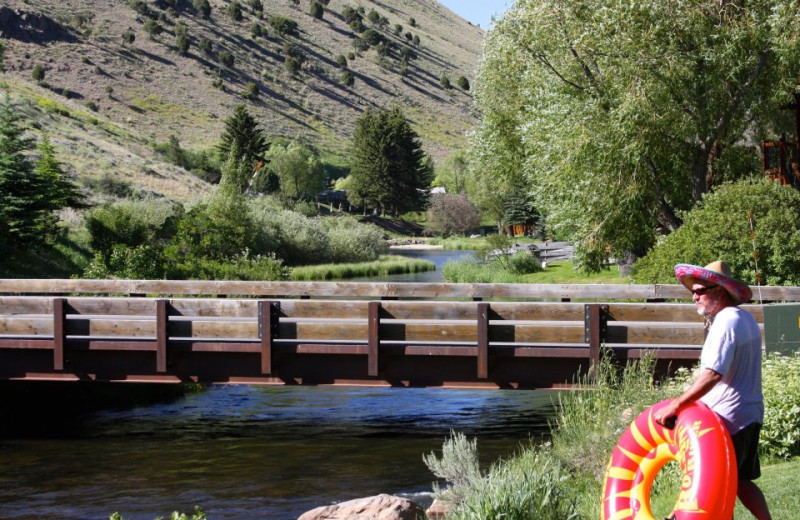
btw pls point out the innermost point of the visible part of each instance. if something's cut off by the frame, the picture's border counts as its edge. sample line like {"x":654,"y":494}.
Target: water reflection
{"x":254,"y":452}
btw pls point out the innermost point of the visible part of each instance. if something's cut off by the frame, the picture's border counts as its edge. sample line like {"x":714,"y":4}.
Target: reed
{"x":385,"y":265}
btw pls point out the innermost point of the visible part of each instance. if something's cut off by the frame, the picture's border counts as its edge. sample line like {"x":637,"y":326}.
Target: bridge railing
{"x":379,"y":290}
{"x":400,"y":340}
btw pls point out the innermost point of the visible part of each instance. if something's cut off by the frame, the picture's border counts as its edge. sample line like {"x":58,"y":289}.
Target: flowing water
{"x":256,"y":452}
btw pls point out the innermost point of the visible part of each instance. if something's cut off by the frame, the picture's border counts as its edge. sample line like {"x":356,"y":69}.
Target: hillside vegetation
{"x":113,"y":86}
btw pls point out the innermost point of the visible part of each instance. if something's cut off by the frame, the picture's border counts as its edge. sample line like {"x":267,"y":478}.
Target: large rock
{"x":439,"y":510}
{"x":380,"y":507}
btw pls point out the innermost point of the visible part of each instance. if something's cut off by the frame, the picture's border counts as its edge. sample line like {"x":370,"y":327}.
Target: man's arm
{"x":704,"y":382}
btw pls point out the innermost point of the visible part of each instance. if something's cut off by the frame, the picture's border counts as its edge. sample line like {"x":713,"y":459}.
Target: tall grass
{"x":385,"y":265}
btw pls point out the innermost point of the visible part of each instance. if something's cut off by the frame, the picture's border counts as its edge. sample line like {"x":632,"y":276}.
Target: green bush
{"x":780,"y":435}
{"x":212,"y":232}
{"x":241,"y":267}
{"x":523,"y":262}
{"x":351,"y":241}
{"x":719,"y":228}
{"x":131,"y":223}
{"x":284,"y":26}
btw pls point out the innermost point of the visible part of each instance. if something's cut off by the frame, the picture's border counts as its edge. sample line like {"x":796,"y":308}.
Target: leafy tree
{"x":38,"y":73}
{"x":284,"y":26}
{"x":372,"y":37}
{"x":636,"y":110}
{"x":454,"y":174}
{"x":244,"y":139}
{"x":719,"y":228}
{"x":453,"y":213}
{"x":390,"y":170}
{"x":298,"y":169}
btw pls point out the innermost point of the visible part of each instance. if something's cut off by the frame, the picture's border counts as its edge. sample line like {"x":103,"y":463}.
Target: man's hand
{"x":666,"y":412}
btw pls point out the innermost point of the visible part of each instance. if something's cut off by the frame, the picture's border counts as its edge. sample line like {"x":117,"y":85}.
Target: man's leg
{"x":753,"y":499}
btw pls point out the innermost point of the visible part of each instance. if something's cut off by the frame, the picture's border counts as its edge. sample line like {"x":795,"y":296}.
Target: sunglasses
{"x":701,"y":291}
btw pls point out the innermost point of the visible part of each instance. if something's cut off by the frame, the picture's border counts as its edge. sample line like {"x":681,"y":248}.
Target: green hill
{"x":106,"y":101}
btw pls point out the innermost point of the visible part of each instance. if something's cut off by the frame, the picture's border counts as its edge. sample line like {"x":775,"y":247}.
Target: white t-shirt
{"x":733,"y":349}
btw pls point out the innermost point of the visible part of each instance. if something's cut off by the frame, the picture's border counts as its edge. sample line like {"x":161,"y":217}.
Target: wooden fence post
{"x":268,"y":330}
{"x":59,"y":332}
{"x":483,"y":340}
{"x":374,"y":339}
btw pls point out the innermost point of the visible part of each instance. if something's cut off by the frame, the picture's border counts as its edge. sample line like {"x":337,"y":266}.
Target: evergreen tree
{"x":242,"y":130}
{"x":390,"y":169}
{"x":28,"y":194}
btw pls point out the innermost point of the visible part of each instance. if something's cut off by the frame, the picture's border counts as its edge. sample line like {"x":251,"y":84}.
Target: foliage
{"x":226,"y":58}
{"x":203,"y":7}
{"x":284,"y":26}
{"x":454,"y":175}
{"x":390,"y":170}
{"x":780,"y":434}
{"x":719,"y":228}
{"x":38,"y":73}
{"x":351,"y":241}
{"x":234,"y":10}
{"x":444,"y":80}
{"x":469,"y":270}
{"x":183,"y":43}
{"x":131,"y":223}
{"x":622,"y":115}
{"x":152,"y":28}
{"x":316,"y":10}
{"x":243,"y":134}
{"x":519,"y":209}
{"x":347,"y":78}
{"x":298,"y":169}
{"x":29,"y":193}
{"x":383,"y":266}
{"x":463,"y":83}
{"x":240,"y":267}
{"x":451,"y":214}
{"x":523,"y":262}
{"x":458,"y":465}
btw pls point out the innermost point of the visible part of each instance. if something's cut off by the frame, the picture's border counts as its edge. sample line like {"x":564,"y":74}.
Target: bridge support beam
{"x":483,"y":340}
{"x":374,"y":338}
{"x":595,"y":326}
{"x":268,"y":327}
{"x":59,"y":332}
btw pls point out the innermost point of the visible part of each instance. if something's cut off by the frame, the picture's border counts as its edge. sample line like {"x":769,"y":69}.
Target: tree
{"x":183,"y":44}
{"x":38,"y":73}
{"x":454,"y":174}
{"x":28,"y":194}
{"x":719,"y":227}
{"x":636,"y":110}
{"x":453,"y":213}
{"x":244,"y":137}
{"x":316,"y":10}
{"x":390,"y":170}
{"x":298,"y":169}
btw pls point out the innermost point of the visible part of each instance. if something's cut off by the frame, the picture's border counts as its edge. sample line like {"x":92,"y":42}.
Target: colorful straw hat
{"x":717,"y":273}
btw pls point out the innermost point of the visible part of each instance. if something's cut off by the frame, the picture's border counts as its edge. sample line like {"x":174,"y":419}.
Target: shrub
{"x":202,"y":7}
{"x":316,"y":10}
{"x":251,"y":91}
{"x":183,"y":44}
{"x":234,"y":10}
{"x":38,"y":73}
{"x":341,"y":60}
{"x":152,"y":27}
{"x":463,"y":83}
{"x":284,"y":26}
{"x":450,"y":213}
{"x":131,"y":223}
{"x":347,"y":78}
{"x":256,"y":5}
{"x":241,"y":267}
{"x":292,"y":65}
{"x":205,"y":45}
{"x":780,"y":435}
{"x":719,"y":228}
{"x":458,"y":466}
{"x":445,"y":81}
{"x":226,"y":58}
{"x":351,"y":241}
{"x":297,"y":238}
{"x":523,"y":262}
{"x":372,"y":37}
{"x":128,"y":37}
{"x":91,"y":105}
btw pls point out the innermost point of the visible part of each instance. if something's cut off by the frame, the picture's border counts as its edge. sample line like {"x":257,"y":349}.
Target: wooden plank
{"x":162,"y":337}
{"x":27,"y":326}
{"x":371,"y":290}
{"x":15,"y":305}
{"x":373,"y":339}
{"x":483,"y":340}
{"x":656,"y":333}
{"x":59,"y":332}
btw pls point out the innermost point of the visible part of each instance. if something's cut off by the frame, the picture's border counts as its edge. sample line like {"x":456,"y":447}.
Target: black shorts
{"x":745,"y":445}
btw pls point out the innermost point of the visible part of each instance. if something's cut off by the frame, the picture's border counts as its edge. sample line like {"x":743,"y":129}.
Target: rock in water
{"x":380,"y":507}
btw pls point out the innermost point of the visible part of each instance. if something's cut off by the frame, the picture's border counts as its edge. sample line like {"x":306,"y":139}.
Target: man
{"x":729,"y":381}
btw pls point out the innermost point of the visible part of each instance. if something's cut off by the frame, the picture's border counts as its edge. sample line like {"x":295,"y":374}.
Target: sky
{"x":479,"y":12}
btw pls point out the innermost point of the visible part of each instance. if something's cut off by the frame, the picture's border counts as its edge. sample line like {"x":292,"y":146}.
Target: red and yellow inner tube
{"x":699,"y":442}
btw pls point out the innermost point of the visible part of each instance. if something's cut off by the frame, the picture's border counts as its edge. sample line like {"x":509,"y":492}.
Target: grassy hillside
{"x":105,"y":101}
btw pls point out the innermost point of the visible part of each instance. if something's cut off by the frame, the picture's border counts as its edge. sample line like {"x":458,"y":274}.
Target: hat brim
{"x":688,"y":275}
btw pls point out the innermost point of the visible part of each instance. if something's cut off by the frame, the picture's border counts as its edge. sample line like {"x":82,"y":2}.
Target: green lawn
{"x":562,"y":272}
{"x":779,"y":484}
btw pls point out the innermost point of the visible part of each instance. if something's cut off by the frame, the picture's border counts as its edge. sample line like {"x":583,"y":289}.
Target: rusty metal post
{"x":595,"y":325}
{"x":374,"y":339}
{"x":268,"y":327}
{"x":483,"y":340}
{"x":59,"y":332}
{"x":161,"y":335}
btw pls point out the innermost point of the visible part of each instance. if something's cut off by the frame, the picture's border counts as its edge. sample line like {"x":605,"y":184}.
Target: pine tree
{"x":23,"y":204}
{"x":242,"y":130}
{"x":390,"y":169}
{"x":62,"y":192}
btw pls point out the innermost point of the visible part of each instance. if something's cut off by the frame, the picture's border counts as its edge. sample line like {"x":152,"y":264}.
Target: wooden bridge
{"x":320,"y":333}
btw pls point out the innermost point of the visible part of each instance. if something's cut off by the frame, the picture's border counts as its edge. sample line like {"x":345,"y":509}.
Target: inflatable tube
{"x":699,"y":442}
